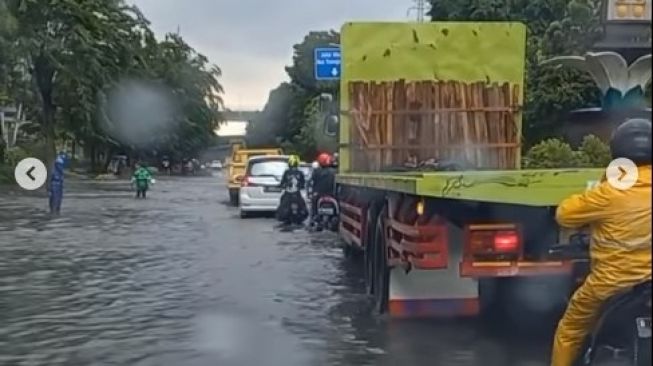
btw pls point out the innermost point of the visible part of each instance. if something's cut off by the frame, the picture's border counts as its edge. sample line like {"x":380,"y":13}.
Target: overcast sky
{"x":251,"y":40}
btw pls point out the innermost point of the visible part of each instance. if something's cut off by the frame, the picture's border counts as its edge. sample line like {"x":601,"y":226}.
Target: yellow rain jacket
{"x":620,"y":224}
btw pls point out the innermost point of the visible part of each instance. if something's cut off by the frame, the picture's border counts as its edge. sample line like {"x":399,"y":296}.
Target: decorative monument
{"x":620,"y":65}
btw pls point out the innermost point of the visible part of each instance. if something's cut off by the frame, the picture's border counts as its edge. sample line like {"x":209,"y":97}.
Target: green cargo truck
{"x":430,"y":183}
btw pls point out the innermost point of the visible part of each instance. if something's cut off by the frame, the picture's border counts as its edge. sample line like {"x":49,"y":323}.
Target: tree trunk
{"x":48,"y":131}
{"x":107,"y":158}
{"x":43,"y":74}
{"x":93,"y":155}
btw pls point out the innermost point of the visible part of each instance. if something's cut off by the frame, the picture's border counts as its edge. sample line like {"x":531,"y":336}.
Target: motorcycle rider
{"x":292,"y":182}
{"x":323,"y":179}
{"x":142,"y":178}
{"x":620,"y":223}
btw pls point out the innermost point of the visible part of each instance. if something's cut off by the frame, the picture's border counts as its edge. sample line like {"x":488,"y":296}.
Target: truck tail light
{"x":506,"y":241}
{"x":489,"y":241}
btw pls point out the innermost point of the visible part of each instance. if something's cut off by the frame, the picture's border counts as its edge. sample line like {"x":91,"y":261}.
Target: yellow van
{"x":238,"y":164}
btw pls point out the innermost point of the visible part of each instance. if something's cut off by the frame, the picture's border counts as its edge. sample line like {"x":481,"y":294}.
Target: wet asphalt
{"x":180,"y":279}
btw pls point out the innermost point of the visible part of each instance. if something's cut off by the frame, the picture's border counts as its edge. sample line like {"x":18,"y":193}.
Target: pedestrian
{"x":142,"y":179}
{"x":55,"y":186}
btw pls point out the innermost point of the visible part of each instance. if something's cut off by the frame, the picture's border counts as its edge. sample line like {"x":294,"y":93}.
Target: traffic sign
{"x":327,"y":63}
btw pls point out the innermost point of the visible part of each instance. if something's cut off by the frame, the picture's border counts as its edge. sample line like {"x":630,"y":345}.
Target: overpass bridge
{"x":232,"y":130}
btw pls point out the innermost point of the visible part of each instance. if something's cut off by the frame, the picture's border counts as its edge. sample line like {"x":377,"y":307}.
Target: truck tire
{"x":368,"y":248}
{"x":381,"y":269}
{"x":233,"y":197}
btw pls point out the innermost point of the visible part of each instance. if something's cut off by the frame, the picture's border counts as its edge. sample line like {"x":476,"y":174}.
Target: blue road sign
{"x":327,"y":63}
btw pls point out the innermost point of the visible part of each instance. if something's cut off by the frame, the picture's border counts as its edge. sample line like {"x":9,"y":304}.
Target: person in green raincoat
{"x":142,"y":178}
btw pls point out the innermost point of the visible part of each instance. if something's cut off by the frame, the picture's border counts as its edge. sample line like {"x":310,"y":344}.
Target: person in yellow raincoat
{"x":620,"y":252}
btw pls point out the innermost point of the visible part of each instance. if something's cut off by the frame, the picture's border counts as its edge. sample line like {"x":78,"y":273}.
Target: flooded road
{"x":179,"y":279}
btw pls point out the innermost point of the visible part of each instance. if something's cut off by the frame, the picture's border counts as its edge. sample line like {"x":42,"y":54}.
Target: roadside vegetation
{"x":62,"y":60}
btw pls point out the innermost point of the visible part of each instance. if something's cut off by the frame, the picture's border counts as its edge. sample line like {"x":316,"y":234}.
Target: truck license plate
{"x":325,"y":211}
{"x":273,"y":189}
{"x":644,"y":327}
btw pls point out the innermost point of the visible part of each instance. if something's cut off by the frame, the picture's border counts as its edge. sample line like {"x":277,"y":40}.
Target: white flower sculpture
{"x":611,"y":73}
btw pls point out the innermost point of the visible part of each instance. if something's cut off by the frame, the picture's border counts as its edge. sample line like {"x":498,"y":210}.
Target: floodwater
{"x":179,"y":279}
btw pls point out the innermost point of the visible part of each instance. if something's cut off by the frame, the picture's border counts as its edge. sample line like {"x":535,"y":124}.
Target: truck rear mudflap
{"x":417,"y":246}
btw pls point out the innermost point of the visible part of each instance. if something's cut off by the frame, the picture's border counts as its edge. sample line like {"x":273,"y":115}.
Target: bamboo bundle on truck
{"x":394,"y":122}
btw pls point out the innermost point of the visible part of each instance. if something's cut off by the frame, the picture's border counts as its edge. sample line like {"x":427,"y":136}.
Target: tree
{"x":266,"y":129}
{"x":57,"y":38}
{"x":71,"y":57}
{"x":290,"y":116}
{"x":555,"y":27}
{"x":301,"y":72}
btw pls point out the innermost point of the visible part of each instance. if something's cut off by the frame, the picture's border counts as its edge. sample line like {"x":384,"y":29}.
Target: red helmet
{"x":324,"y":159}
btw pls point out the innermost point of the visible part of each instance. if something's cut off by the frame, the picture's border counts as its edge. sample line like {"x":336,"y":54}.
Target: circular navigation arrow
{"x":622,"y":173}
{"x":30,"y":174}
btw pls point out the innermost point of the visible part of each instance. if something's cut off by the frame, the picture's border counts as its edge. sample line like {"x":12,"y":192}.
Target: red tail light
{"x":506,"y":241}
{"x":486,"y":240}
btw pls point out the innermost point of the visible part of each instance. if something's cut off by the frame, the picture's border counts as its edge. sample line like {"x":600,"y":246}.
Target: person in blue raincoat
{"x":55,"y":186}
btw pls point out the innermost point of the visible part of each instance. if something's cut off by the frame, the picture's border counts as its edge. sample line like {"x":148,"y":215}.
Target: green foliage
{"x":595,"y":152}
{"x":60,"y":59}
{"x":15,"y":154}
{"x":554,"y":153}
{"x":555,"y":27}
{"x":290,"y":116}
{"x":6,"y":173}
{"x":551,"y":153}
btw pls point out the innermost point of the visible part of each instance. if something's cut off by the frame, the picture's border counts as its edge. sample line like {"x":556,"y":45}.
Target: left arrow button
{"x":30,"y":174}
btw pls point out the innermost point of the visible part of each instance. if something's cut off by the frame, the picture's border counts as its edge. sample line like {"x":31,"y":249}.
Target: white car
{"x":260,"y":190}
{"x":215,"y":164}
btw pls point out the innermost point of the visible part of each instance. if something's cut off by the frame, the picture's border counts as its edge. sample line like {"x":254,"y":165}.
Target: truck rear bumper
{"x":444,"y":308}
{"x":514,"y":269}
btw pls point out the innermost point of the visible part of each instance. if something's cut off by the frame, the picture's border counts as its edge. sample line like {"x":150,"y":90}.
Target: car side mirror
{"x":331,"y":125}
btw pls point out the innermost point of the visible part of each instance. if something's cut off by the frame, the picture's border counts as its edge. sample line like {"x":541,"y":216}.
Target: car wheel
{"x":244,"y":214}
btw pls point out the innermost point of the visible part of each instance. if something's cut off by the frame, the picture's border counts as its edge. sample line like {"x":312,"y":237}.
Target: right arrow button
{"x":622,"y":173}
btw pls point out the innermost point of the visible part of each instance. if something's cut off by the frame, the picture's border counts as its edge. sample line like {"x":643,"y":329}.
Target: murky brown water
{"x":178,"y":279}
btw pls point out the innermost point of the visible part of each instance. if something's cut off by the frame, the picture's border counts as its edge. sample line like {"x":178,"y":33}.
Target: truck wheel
{"x":233,"y":197}
{"x":381,"y":270}
{"x":368,"y":249}
{"x":489,"y":298}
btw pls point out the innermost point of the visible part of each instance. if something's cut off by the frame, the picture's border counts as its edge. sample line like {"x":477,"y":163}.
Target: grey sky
{"x":251,"y":40}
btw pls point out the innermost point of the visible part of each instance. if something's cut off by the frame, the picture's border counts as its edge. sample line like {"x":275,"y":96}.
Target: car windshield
{"x":274,"y":168}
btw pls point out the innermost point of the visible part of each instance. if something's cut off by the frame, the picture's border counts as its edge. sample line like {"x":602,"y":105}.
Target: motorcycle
{"x":327,"y":214}
{"x":295,"y":213}
{"x":622,"y":333}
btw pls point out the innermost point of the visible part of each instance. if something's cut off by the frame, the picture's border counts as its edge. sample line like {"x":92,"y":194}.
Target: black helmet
{"x":632,"y":140}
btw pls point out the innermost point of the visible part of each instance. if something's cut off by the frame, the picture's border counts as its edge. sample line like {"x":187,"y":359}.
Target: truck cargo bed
{"x":523,"y":187}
